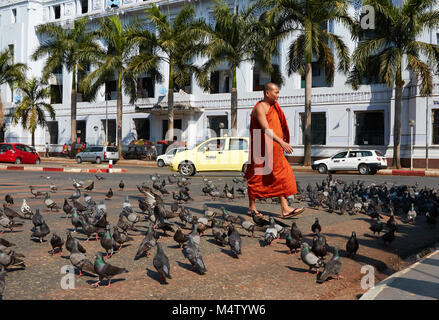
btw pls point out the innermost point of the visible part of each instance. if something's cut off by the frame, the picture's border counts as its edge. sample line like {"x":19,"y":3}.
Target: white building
{"x":341,"y":116}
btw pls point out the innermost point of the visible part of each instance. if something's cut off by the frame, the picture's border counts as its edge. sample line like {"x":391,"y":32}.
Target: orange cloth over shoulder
{"x":268,"y":173}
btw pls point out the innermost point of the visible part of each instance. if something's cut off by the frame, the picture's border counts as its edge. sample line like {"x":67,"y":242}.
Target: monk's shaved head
{"x":270,"y":86}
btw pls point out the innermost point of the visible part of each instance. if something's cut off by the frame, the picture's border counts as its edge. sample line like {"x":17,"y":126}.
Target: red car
{"x":18,"y":153}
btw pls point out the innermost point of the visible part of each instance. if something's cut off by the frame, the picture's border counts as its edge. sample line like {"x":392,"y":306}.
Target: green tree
{"x":176,"y":43}
{"x":71,"y":48}
{"x":392,"y":47}
{"x":10,"y":73}
{"x":111,"y":61}
{"x":314,"y":43}
{"x":31,"y":110}
{"x":238,"y":36}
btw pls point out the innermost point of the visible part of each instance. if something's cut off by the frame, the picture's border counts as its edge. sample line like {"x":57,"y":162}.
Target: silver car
{"x":98,"y":154}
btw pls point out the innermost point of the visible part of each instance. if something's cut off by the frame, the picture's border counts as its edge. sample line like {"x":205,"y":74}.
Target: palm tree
{"x":72,"y":48}
{"x":110,"y":61}
{"x":314,"y":43}
{"x":175,"y":44}
{"x":30,"y":111}
{"x":235,"y":38}
{"x":393,"y":47}
{"x":10,"y":73}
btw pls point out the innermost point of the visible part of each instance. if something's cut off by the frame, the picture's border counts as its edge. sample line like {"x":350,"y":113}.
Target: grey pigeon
{"x":193,"y":254}
{"x":161,"y":264}
{"x":309,"y":258}
{"x":41,"y":232}
{"x":107,"y":242}
{"x":56,"y":242}
{"x":37,"y":219}
{"x":120,"y":237}
{"x":147,"y":243}
{"x":10,"y":259}
{"x":79,"y":260}
{"x":332,"y":267}
{"x":234,"y":240}
{"x":105,"y":270}
{"x":219,"y":236}
{"x":2,"y":282}
{"x":180,"y":237}
{"x":271,"y":233}
{"x":71,"y":242}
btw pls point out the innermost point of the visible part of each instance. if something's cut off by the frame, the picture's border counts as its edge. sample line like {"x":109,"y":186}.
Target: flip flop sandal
{"x":293,"y":213}
{"x":249,"y":213}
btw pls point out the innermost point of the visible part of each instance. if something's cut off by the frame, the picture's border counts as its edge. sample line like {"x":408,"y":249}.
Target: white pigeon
{"x":102,"y":206}
{"x":26,"y":209}
{"x":53,"y":188}
{"x":78,"y":184}
{"x":411,"y":214}
{"x":126,"y":203}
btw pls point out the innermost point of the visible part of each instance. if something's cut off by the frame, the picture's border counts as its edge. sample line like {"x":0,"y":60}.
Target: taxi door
{"x":211,"y":155}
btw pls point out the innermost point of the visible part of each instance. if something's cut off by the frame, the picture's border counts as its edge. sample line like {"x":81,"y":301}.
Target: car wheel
{"x":38,"y":161}
{"x":244,"y":168}
{"x":78,"y":160}
{"x":322,"y":168}
{"x":363,"y":169}
{"x":17,"y":161}
{"x":161,"y":163}
{"x":186,"y":169}
{"x":98,"y":160}
{"x":373,"y":171}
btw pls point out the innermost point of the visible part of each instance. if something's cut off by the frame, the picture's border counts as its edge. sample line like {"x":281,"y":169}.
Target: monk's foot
{"x":292,"y":212}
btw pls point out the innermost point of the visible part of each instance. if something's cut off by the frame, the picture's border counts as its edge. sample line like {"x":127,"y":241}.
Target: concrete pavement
{"x":419,"y":281}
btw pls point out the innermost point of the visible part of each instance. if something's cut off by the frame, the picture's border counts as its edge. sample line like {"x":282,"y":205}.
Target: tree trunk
{"x":33,"y":139}
{"x":73,"y":100}
{"x":170,"y":133}
{"x":307,"y":124}
{"x":119,"y":114}
{"x":234,"y":104}
{"x":397,"y":125}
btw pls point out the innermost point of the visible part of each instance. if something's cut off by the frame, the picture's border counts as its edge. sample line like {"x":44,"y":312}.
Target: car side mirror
{"x":204,"y":149}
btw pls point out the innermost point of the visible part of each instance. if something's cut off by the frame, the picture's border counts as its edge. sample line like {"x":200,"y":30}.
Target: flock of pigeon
{"x":90,"y":218}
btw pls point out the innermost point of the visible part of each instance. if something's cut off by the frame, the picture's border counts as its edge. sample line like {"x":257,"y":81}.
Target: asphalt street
{"x":252,"y":276}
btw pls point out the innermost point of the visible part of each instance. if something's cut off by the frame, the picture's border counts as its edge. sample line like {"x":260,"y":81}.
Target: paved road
{"x":252,"y":276}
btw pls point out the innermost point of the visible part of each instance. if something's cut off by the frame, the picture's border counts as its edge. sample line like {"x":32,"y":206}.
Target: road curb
{"x":372,"y":293}
{"x":67,"y":170}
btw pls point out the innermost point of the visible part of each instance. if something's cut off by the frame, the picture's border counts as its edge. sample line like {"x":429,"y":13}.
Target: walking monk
{"x":268,"y":172}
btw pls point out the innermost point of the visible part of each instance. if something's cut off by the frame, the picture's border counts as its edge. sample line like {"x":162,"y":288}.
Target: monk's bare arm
{"x":262,"y":119}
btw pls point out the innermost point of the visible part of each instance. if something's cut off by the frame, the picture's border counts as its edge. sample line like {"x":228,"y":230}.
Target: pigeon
{"x":258,"y":220}
{"x":319,"y":246}
{"x":120,"y":237}
{"x":56,"y":242}
{"x":309,"y":258}
{"x":26,"y":209}
{"x":209,"y":214}
{"x":4,"y":244}
{"x":71,"y":242}
{"x":161,"y":264}
{"x":79,"y":206}
{"x":180,"y":237}
{"x":148,"y":242}
{"x":2,"y":282}
{"x":234,"y":240}
{"x":90,"y":187}
{"x":53,"y":188}
{"x":271,"y":233}
{"x":220,"y":236}
{"x":36,"y":193}
{"x":389,"y":236}
{"x":411,"y":214}
{"x":352,"y":245}
{"x":78,"y":184}
{"x":9,"y":199}
{"x":250,"y":227}
{"x":76,"y":195}
{"x":75,"y":219}
{"x":50,"y":203}
{"x":7,"y":223}
{"x":121,"y":185}
{"x":294,"y":239}
{"x":193,"y":254}
{"x":88,"y":229}
{"x":377,"y":226}
{"x":41,"y":232}
{"x":79,"y":260}
{"x":107,"y":242}
{"x":391,"y":223}
{"x":332,"y":268}
{"x":109,"y":194}
{"x":67,"y":208}
{"x":99,"y":177}
{"x":194,"y":235}
{"x":10,"y":213}
{"x":316,"y":227}
{"x":37,"y":219}
{"x":202,"y":224}
{"x":10,"y":259}
{"x":105,"y":270}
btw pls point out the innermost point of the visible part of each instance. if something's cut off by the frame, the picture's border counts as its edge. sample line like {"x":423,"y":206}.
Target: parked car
{"x":215,"y":154}
{"x":18,"y":153}
{"x":140,"y":152}
{"x":365,"y":161}
{"x":98,"y":154}
{"x":165,"y":159}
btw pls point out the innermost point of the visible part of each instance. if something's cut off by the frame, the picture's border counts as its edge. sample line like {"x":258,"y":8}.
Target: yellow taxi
{"x":215,"y":154}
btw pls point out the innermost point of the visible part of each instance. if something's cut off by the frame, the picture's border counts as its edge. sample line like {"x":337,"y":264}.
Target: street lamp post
{"x":411,"y":124}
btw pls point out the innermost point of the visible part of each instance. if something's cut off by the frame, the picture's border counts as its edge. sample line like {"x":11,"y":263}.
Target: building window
{"x":435,"y":116}
{"x":318,"y":128}
{"x":142,"y":128}
{"x":55,"y":94}
{"x":145,"y":87}
{"x":57,"y":11}
{"x":369,"y":128}
{"x":84,"y":6}
{"x":81,"y":130}
{"x":111,"y":130}
{"x":52,"y":127}
{"x":177,"y":125}
{"x":14,"y":16}
{"x":214,"y":123}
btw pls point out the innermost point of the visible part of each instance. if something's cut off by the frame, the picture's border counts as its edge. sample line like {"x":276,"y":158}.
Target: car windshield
{"x":340,"y":155}
{"x":379,"y":153}
{"x":112,"y":149}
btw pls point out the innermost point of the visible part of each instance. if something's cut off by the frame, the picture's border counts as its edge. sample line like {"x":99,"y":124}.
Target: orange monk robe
{"x":267,"y":183}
